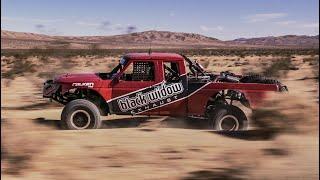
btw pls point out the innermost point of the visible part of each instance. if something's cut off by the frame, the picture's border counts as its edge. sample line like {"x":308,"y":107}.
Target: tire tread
{"x":84,"y":103}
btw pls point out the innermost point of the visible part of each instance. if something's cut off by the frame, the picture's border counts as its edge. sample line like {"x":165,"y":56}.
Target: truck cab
{"x":149,"y":84}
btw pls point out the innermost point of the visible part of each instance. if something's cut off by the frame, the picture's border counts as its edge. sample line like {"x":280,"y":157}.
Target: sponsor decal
{"x":150,"y":98}
{"x":153,"y":97}
{"x":161,"y":94}
{"x":84,"y":84}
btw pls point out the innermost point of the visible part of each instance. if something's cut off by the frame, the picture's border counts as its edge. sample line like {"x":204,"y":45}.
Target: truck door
{"x":174,"y":73}
{"x":131,"y":86}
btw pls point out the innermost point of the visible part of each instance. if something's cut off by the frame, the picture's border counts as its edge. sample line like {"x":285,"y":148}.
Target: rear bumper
{"x":282,"y":88}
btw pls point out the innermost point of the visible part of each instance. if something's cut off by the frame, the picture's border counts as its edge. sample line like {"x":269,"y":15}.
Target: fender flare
{"x":102,"y":106}
{"x":239,"y":96}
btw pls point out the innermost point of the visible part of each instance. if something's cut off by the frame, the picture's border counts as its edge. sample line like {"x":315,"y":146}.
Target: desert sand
{"x":33,"y":146}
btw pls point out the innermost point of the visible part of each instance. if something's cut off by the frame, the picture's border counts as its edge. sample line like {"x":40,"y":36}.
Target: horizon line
{"x":158,"y":31}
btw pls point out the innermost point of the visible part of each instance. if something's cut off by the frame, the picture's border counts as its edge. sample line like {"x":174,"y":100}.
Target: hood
{"x":79,"y":78}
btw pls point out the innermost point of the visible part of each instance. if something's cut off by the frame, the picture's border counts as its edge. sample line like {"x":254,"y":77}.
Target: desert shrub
{"x":65,"y":52}
{"x":205,"y":64}
{"x":316,"y":69}
{"x":242,"y":55}
{"x":44,"y":59}
{"x":67,"y":63}
{"x":94,"y":46}
{"x":241,"y":63}
{"x":37,"y":52}
{"x":283,"y":113}
{"x":314,"y":62}
{"x":235,"y":173}
{"x":16,"y":162}
{"x":278,"y":66}
{"x":6,"y":61}
{"x":17,"y":151}
{"x":19,"y":56}
{"x":88,"y":63}
{"x":46,"y":75}
{"x":270,"y":120}
{"x":59,"y":42}
{"x":19,"y":68}
{"x":110,"y":66}
{"x":310,"y":59}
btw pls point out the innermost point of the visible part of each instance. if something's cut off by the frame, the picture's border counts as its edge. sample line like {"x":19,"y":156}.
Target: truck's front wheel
{"x":227,"y":118}
{"x":80,"y":114}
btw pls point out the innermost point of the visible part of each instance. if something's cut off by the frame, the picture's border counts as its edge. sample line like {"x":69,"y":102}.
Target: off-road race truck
{"x":165,"y":84}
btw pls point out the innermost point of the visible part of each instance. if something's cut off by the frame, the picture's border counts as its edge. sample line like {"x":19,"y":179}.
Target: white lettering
{"x":86,"y":84}
{"x":159,"y":93}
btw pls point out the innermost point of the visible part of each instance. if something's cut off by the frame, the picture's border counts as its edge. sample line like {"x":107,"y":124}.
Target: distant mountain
{"x":157,"y":39}
{"x":288,"y":40}
{"x":23,"y":36}
{"x":162,"y":37}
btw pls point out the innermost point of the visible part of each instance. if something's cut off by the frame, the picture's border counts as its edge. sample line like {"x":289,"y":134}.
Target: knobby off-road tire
{"x":227,"y":118}
{"x":80,"y":114}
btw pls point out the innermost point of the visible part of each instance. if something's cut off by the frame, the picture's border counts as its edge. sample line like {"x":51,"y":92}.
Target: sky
{"x":222,"y":19}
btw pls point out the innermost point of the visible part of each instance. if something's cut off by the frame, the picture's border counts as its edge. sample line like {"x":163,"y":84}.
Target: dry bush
{"x":67,"y":63}
{"x":237,"y":173}
{"x":279,"y":67}
{"x":6,"y":61}
{"x":314,"y":62}
{"x":283,"y":113}
{"x":44,"y":59}
{"x":88,"y":64}
{"x":311,"y":59}
{"x":65,"y":52}
{"x":59,"y":42}
{"x":205,"y":63}
{"x":47,"y":75}
{"x":19,"y":68}
{"x":19,"y":145}
{"x":94,"y":46}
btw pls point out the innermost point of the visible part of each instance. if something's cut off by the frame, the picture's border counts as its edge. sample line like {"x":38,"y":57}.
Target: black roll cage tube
{"x":194,"y":67}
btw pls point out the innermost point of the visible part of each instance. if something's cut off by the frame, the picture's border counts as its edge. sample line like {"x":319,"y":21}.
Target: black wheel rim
{"x":80,"y":119}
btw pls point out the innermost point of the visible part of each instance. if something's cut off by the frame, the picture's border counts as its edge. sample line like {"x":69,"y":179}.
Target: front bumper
{"x":50,"y":89}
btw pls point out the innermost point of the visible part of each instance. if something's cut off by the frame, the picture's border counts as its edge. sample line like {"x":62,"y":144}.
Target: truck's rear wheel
{"x":80,"y":114}
{"x":227,"y":118}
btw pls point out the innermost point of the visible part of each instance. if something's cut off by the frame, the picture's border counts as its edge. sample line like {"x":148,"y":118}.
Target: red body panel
{"x":70,"y":81}
{"x":254,"y":93}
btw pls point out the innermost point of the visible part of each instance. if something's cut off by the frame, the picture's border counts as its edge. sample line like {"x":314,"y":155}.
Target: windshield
{"x":119,"y":67}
